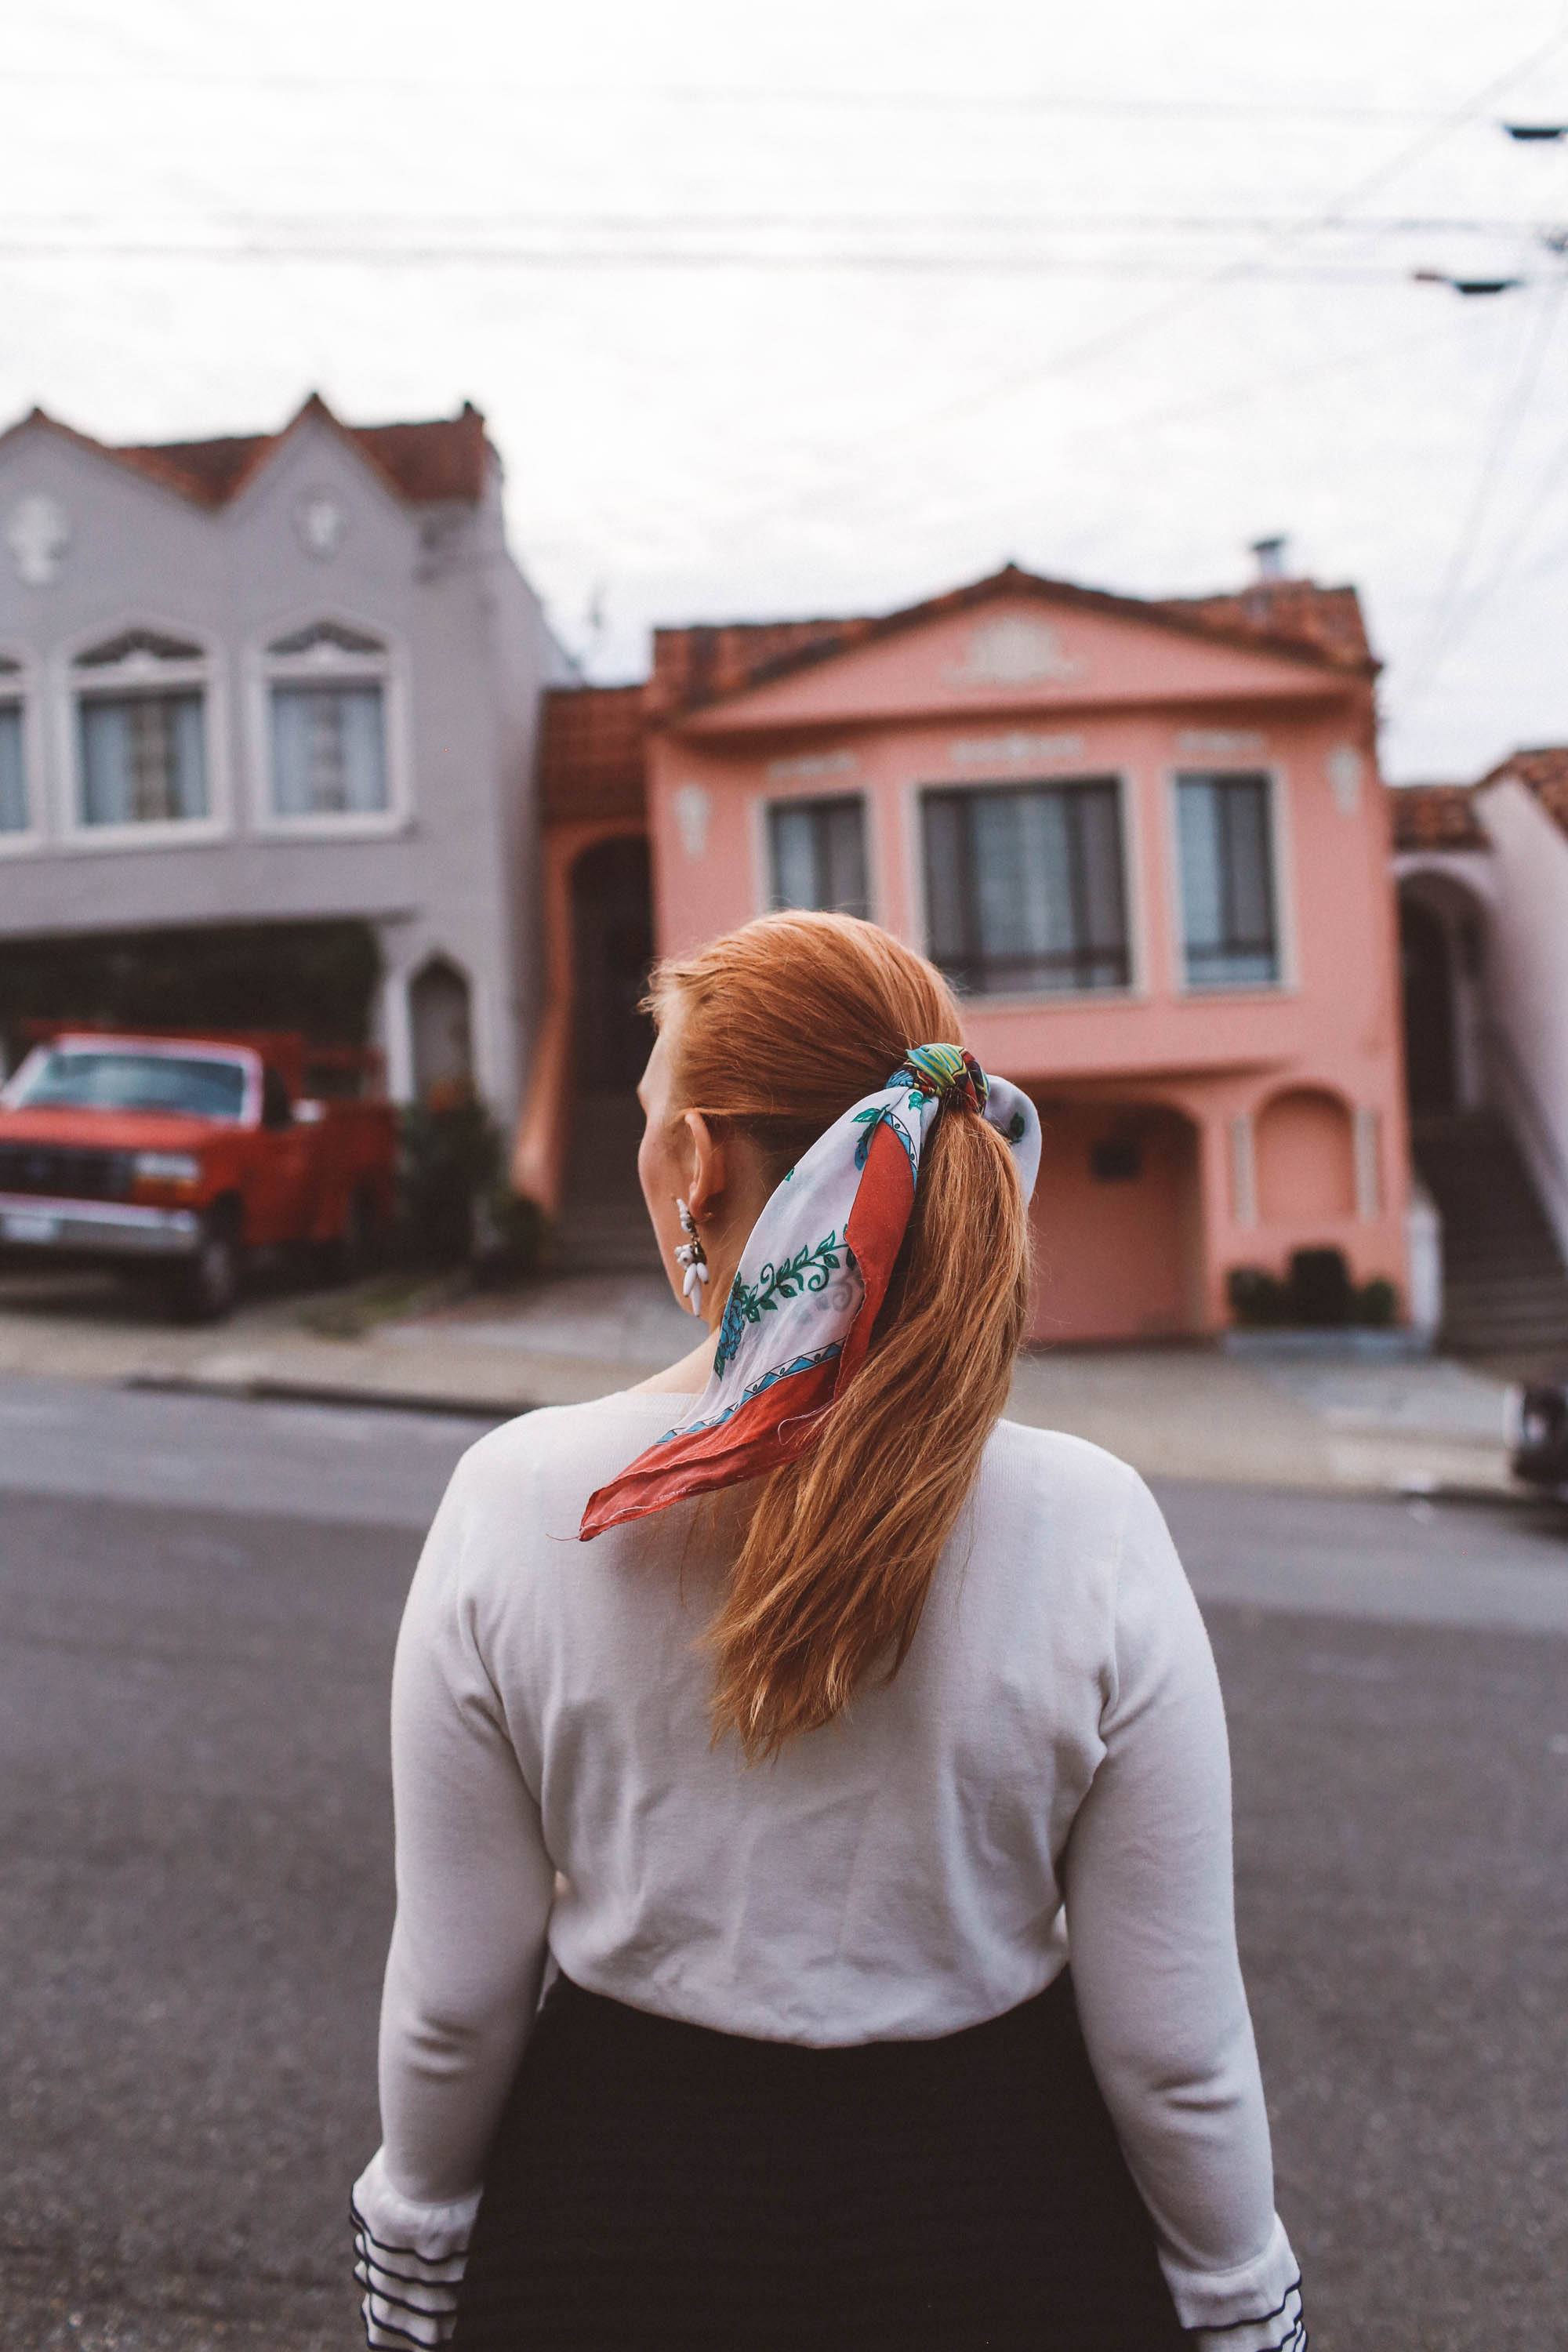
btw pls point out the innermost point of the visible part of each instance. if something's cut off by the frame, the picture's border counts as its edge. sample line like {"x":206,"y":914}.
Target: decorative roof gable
{"x":1293,"y":620}
{"x":437,"y":461}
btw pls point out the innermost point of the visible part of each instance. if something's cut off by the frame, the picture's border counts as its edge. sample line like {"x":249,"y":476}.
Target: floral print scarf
{"x":813,"y":1274}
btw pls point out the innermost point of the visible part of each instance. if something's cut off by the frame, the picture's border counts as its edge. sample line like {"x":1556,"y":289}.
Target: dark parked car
{"x":1537,"y":1433}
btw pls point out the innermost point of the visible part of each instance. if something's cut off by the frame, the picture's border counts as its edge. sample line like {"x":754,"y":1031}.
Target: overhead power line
{"x":324,"y":252}
{"x":599,"y":93}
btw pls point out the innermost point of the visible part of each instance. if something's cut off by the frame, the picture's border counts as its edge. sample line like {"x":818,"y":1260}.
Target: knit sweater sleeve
{"x":474,"y":1891}
{"x":1150,"y":1923}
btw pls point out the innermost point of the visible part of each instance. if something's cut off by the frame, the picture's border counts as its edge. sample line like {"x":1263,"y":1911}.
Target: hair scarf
{"x":812,"y":1275}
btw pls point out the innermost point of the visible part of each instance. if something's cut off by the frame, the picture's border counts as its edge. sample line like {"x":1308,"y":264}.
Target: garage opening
{"x":320,"y":978}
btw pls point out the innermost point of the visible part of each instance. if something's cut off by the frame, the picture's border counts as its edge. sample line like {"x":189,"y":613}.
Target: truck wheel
{"x":207,"y":1285}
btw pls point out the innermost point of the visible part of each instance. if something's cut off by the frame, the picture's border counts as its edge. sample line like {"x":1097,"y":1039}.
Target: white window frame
{"x":328,"y":666}
{"x":142,"y":673}
{"x":19,"y":691}
{"x":1134,"y":989}
{"x":1281,"y":877}
{"x":811,"y":789}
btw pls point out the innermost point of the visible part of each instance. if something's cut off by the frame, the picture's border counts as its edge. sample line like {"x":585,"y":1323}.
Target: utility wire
{"x":341,"y":227}
{"x":599,"y":93}
{"x":1330,"y":216}
{"x":1514,"y":408}
{"x":320,"y":253}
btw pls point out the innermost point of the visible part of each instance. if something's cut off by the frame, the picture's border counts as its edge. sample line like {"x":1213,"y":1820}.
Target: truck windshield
{"x":106,"y":1077}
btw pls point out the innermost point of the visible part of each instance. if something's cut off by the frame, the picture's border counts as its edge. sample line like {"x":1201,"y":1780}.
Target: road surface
{"x":199,"y":1599}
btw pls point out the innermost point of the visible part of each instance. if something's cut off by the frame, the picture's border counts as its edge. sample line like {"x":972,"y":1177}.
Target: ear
{"x":704,"y":1156}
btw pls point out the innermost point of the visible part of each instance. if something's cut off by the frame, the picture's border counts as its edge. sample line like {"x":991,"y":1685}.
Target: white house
{"x":1482,"y":877}
{"x":267,"y":721}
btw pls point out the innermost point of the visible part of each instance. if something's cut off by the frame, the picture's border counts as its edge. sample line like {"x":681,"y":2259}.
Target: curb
{"x":267,"y":1388}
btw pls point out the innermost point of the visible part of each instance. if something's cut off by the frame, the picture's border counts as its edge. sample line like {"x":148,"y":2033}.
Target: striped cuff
{"x":1255,"y":2307}
{"x":409,"y":2260}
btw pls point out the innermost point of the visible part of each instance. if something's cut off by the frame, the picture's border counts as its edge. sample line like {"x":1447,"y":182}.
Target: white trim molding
{"x":322,"y":646}
{"x":1244,"y":1169}
{"x":20,"y":691}
{"x":1367,"y":1132}
{"x":141,"y":669}
{"x":1281,"y":880}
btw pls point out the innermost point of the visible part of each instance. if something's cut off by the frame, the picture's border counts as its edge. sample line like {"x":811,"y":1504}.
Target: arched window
{"x":16,"y":815}
{"x":141,"y":748}
{"x":326,"y":694}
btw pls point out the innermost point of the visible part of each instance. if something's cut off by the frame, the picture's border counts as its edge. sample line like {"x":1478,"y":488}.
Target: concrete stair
{"x":603,"y":1223}
{"x":1505,"y":1286}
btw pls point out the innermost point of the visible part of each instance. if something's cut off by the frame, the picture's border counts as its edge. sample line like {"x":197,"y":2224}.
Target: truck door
{"x":281,"y":1193}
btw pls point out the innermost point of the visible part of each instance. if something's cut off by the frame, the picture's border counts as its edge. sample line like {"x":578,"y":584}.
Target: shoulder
{"x":559,"y":1445}
{"x":1071,"y":1474}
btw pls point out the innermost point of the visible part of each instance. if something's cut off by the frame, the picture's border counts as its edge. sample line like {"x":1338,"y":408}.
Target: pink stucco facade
{"x":1189,"y":1129}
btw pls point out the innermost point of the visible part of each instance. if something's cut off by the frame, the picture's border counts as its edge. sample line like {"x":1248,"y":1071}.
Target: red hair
{"x":783,"y":1025}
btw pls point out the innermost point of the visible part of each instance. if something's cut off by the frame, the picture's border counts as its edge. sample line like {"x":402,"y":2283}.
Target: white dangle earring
{"x":692,"y":1255}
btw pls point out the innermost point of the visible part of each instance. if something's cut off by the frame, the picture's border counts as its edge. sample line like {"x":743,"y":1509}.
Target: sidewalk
{"x":1188,"y":1412}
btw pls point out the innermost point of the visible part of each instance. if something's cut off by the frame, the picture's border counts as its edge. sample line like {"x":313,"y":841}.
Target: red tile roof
{"x":591,"y":753}
{"x":1435,"y":816}
{"x":444,"y":458}
{"x":1295,"y":618}
{"x":1328,"y":619}
{"x":1544,"y":771}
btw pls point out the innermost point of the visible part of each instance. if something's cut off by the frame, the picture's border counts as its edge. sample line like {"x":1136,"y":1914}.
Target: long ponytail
{"x":838,"y":1553}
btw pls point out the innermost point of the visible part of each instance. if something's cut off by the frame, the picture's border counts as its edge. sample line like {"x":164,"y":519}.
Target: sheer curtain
{"x":143,"y":760}
{"x":1227,"y":898}
{"x":329,"y":755}
{"x":13,"y":777}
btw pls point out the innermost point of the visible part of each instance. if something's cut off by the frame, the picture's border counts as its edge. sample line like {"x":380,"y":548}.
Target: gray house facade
{"x":267,"y":709}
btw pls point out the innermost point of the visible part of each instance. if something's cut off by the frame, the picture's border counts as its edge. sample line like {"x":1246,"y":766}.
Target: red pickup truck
{"x":182,"y":1155}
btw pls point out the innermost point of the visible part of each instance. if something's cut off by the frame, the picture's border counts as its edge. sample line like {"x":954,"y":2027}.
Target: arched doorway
{"x":441,"y":1022}
{"x":1426,"y":970}
{"x":612,"y":947}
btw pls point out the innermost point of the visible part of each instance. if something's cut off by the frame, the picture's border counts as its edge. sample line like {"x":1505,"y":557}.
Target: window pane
{"x":843,"y":839}
{"x":1024,"y":885}
{"x":13,"y":777}
{"x":818,"y":851}
{"x":328,"y":756}
{"x":947,"y":908}
{"x":1228,"y":891}
{"x":143,"y":760}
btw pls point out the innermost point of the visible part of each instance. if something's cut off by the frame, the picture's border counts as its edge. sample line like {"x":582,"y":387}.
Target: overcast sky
{"x":827,"y":308}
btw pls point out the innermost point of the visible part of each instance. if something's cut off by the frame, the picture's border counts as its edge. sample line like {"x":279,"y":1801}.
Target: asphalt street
{"x":198,"y":1600}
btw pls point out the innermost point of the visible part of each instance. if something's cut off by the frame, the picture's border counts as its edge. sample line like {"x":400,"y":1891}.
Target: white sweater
{"x":1051,"y":1758}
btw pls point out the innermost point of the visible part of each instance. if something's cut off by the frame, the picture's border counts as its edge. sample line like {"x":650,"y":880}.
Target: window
{"x":1228,"y":929}
{"x":818,"y":853}
{"x":141,"y":730}
{"x":1025,"y":886}
{"x":326,"y":691}
{"x":115,"y":1077}
{"x":14,"y":817}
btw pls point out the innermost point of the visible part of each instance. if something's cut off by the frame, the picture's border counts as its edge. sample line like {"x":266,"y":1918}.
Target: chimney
{"x":1272,"y":555}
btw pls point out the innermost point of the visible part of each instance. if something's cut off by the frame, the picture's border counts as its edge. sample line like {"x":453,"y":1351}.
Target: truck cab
{"x":186,"y":1156}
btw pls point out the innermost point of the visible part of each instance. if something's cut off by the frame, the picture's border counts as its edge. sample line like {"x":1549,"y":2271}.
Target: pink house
{"x":1147,"y":840}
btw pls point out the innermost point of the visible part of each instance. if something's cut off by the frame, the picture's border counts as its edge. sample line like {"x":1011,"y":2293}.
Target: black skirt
{"x":657,"y":2187}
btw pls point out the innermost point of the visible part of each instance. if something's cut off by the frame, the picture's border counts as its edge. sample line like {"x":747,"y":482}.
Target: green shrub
{"x":1257,"y":1297}
{"x":450,"y":1161}
{"x":1377,"y":1304}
